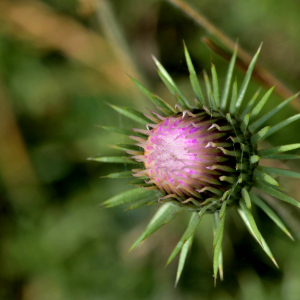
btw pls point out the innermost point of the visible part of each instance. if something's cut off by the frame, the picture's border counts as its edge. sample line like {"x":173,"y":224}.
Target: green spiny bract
{"x":202,"y":158}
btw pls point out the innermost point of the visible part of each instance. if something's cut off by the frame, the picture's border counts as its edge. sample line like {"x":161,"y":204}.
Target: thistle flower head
{"x":203,"y":158}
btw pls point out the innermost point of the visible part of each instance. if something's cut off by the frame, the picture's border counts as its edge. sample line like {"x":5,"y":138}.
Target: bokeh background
{"x":61,"y":61}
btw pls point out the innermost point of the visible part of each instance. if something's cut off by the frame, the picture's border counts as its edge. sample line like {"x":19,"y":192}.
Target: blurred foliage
{"x":60,"y":63}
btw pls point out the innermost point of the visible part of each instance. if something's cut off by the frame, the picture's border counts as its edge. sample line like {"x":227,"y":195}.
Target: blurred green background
{"x":61,"y":61}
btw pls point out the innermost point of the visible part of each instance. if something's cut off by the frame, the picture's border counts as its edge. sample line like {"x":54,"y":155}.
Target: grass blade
{"x":256,"y":110}
{"x":247,"y":79}
{"x":228,"y":80}
{"x":271,"y":113}
{"x":274,"y":150}
{"x":275,"y":193}
{"x":272,"y":215}
{"x":164,"y":215}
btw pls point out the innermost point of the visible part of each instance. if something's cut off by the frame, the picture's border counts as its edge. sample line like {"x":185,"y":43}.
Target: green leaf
{"x":189,"y":232}
{"x":127,"y":147}
{"x":155,"y":99}
{"x":232,"y":108}
{"x":256,"y":110}
{"x":164,"y":215}
{"x":247,"y":79}
{"x":114,"y":159}
{"x":220,"y":224}
{"x":259,"y":135}
{"x":208,"y":87}
{"x":278,"y":171}
{"x":215,"y":85}
{"x":270,"y":213}
{"x":228,"y":80}
{"x":126,"y":132}
{"x":193,"y":77}
{"x":254,"y":159}
{"x":274,"y":150}
{"x":251,"y":221}
{"x":271,"y":113}
{"x":264,"y":245}
{"x":144,"y":202}
{"x":174,"y":91}
{"x":245,"y":123}
{"x":131,"y":114}
{"x":182,"y":258}
{"x":246,"y":197}
{"x":282,"y":156}
{"x":275,"y":193}
{"x":282,"y":124}
{"x":259,"y":175}
{"x":130,"y":196}
{"x":250,"y":104}
{"x":168,"y":81}
{"x":126,"y":174}
{"x":218,"y":236}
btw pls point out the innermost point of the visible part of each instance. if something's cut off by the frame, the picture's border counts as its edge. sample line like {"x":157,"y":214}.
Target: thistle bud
{"x":203,"y":158}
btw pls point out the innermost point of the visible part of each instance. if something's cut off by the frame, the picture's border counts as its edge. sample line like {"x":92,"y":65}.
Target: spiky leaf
{"x":251,"y":221}
{"x":193,"y":77}
{"x":125,"y":174}
{"x":274,"y":150}
{"x":155,"y":99}
{"x":130,"y":196}
{"x":228,"y":80}
{"x":131,"y":113}
{"x":272,"y":215}
{"x":182,"y":258}
{"x":271,"y":113}
{"x":278,"y":171}
{"x":115,"y":159}
{"x":278,"y":194}
{"x":164,"y":215}
{"x":190,"y":230}
{"x":246,"y":80}
{"x":282,"y":124}
{"x":264,"y":245}
{"x":260,"y":104}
